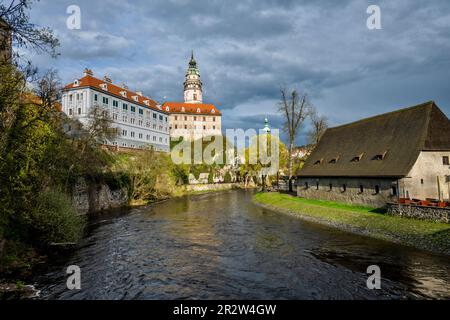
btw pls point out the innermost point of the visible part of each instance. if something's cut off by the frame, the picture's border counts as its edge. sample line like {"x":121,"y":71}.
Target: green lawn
{"x":419,"y":233}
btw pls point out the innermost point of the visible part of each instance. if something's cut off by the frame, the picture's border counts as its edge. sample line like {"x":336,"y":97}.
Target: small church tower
{"x":266,"y":129}
{"x":193,"y":85}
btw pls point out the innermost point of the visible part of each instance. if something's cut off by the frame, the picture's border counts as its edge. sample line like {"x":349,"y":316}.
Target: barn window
{"x":318,"y":162}
{"x":380,"y":156}
{"x":357,"y":158}
{"x":445,"y":160}
{"x":334,"y":160}
{"x":377,"y":189}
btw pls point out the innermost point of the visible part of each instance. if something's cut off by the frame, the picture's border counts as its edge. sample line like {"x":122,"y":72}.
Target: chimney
{"x":107,"y":79}
{"x":88,"y":72}
{"x":139,"y":93}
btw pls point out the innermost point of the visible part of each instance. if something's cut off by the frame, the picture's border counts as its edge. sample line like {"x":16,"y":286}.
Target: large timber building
{"x":401,"y":154}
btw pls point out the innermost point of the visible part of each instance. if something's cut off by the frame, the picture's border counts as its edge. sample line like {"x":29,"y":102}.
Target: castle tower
{"x":193,"y":85}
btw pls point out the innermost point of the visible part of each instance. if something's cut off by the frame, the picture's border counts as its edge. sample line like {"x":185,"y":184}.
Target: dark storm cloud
{"x":248,"y":49}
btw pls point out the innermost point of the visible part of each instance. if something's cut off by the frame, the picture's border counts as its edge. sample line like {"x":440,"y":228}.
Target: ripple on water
{"x":221,"y":246}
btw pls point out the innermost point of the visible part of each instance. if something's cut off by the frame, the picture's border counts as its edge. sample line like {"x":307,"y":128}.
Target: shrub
{"x":181,"y":174}
{"x":211,"y":177}
{"x":227,"y":178}
{"x":54,"y":219}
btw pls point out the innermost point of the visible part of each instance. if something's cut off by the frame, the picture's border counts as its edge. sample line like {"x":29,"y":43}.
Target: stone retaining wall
{"x":89,"y":198}
{"x":210,"y":187}
{"x":420,"y":212}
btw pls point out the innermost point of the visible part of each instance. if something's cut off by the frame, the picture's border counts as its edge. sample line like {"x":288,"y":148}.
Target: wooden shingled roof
{"x":386,"y":145}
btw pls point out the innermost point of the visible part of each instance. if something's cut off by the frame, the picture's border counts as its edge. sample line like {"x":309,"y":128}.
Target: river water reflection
{"x":222,"y":246}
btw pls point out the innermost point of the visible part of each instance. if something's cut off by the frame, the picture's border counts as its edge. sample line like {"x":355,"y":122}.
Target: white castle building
{"x":139,"y":120}
{"x":193,"y":119}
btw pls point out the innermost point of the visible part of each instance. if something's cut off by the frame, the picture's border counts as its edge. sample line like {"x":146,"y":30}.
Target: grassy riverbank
{"x":362,"y":220}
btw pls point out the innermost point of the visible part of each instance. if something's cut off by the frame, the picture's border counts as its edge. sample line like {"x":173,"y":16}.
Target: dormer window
{"x":123,"y":94}
{"x":213,"y":111}
{"x":198,"y":110}
{"x":318,"y":162}
{"x":76,"y":83}
{"x":146,"y":102}
{"x":167,"y":109}
{"x":358,"y":158}
{"x":380,"y":156}
{"x":135,"y":98}
{"x":334,"y":160}
{"x":104,"y":86}
{"x":182,"y":109}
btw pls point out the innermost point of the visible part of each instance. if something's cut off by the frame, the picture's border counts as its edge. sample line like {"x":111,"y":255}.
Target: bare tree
{"x":319,"y":126}
{"x":296,"y":109}
{"x":48,"y":89}
{"x":16,"y":21}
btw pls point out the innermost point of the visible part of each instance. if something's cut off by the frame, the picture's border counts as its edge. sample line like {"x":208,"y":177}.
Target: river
{"x":222,"y":246}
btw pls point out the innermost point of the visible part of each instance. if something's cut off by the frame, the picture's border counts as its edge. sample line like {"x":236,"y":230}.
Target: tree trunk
{"x":291,"y":148}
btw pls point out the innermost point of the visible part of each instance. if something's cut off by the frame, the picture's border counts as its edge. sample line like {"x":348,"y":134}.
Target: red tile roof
{"x":89,"y":81}
{"x":192,"y":108}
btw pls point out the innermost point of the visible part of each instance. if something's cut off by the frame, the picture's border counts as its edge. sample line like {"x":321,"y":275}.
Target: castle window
{"x":204,"y":127}
{"x":133,"y":109}
{"x":445,"y":160}
{"x":214,"y":119}
{"x":125,"y":106}
{"x":377,"y":189}
{"x":185,"y":118}
{"x":95,"y":97}
{"x":141,"y":111}
{"x":195,"y":118}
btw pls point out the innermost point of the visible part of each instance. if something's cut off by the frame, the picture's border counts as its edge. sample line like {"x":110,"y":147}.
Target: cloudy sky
{"x":246,"y":50}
